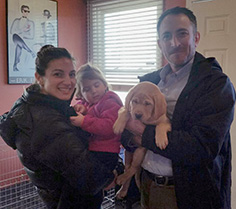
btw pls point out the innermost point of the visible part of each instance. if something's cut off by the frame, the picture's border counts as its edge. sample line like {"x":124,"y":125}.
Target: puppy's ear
{"x":123,"y":114}
{"x":159,"y":104}
{"x":129,"y":97}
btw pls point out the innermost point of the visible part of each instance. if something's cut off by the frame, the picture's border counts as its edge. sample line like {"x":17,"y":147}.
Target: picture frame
{"x":31,"y":24}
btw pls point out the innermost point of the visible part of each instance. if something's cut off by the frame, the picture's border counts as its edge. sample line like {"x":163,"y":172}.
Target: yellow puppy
{"x":146,"y":103}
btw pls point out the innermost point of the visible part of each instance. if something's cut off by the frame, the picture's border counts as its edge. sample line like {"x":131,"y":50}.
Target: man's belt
{"x":160,"y":180}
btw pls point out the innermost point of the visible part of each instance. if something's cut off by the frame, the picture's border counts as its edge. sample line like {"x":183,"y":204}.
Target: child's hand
{"x":77,"y":120}
{"x":80,"y":108}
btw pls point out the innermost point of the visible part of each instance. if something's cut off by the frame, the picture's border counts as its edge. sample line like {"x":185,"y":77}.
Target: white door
{"x":217,"y":25}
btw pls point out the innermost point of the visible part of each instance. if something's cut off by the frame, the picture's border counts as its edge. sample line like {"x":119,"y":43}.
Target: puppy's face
{"x":141,"y":107}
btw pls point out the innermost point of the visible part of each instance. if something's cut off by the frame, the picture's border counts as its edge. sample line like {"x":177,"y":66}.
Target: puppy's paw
{"x":123,"y":117}
{"x":126,"y":176}
{"x":118,"y":127}
{"x":161,"y":138}
{"x":121,"y":194}
{"x":161,"y":142}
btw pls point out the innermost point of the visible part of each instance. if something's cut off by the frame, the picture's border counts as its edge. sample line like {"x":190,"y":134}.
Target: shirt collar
{"x":167,"y":71}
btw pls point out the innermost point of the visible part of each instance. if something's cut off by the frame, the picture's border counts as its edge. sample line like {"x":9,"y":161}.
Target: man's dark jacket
{"x":53,"y":151}
{"x":199,"y":143}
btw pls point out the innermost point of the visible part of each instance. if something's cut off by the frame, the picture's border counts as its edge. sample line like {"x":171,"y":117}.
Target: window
{"x":122,"y":39}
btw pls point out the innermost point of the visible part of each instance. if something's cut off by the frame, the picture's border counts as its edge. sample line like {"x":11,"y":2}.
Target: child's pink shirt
{"x":99,"y":121}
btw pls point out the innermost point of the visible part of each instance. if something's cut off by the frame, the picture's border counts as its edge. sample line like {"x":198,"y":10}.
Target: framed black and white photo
{"x":31,"y":24}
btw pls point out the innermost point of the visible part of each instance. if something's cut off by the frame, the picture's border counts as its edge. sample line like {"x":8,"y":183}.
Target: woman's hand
{"x":77,"y":120}
{"x":136,"y":127}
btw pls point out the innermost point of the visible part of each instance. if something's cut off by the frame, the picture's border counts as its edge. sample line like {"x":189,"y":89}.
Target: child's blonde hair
{"x":89,"y":72}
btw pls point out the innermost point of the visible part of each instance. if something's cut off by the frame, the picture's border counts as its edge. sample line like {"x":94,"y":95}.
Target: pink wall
{"x":71,"y":35}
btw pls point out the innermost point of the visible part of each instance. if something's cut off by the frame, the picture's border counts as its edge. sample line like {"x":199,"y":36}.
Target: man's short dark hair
{"x":24,"y":6}
{"x":177,"y":11}
{"x":46,"y":13}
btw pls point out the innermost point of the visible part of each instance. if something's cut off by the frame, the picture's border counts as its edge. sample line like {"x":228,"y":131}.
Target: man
{"x":47,"y":28}
{"x":194,"y":171}
{"x":22,"y":29}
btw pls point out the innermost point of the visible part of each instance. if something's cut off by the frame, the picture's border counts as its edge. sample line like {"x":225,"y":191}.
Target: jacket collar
{"x":32,"y":95}
{"x":201,"y":69}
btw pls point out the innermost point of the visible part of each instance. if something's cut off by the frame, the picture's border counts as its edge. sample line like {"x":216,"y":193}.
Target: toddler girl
{"x":97,"y":111}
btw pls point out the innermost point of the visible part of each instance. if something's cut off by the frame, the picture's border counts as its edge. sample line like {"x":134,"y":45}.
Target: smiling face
{"x":92,"y":90}
{"x":59,"y":79}
{"x":177,"y":40}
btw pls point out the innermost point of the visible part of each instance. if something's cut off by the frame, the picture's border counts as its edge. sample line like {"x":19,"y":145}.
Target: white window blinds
{"x":122,"y":38}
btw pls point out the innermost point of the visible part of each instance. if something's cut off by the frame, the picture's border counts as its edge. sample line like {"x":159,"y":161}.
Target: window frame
{"x":101,"y":25}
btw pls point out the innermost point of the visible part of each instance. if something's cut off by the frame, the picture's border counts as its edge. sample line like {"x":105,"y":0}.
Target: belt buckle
{"x":166,"y":180}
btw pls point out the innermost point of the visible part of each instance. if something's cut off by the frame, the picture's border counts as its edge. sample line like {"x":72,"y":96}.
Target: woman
{"x":53,"y":151}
